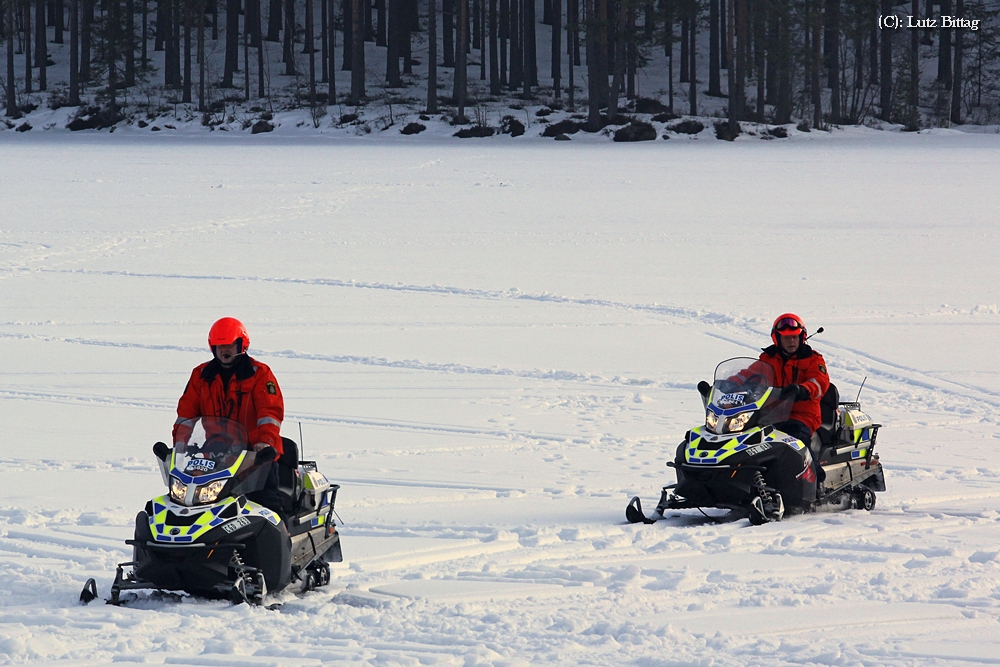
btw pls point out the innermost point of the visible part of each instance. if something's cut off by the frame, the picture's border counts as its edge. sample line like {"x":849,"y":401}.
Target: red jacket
{"x":251,"y":397}
{"x":807,"y":368}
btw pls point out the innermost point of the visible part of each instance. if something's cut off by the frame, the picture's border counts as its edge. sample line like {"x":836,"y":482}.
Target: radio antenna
{"x":860,"y":388}
{"x":818,"y":331}
{"x":301,"y":444}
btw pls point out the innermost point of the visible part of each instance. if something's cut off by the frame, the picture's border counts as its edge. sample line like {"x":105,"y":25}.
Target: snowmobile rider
{"x":236,"y":386}
{"x":795,"y":363}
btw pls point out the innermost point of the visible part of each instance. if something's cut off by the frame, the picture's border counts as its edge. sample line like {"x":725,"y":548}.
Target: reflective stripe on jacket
{"x":251,"y":397}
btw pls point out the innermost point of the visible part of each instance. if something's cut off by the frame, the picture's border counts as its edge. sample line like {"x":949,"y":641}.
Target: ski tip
{"x":89,"y":592}
{"x":633,"y":513}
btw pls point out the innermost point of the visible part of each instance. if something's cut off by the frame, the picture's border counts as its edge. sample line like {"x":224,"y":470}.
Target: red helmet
{"x":788,"y":324}
{"x":227,"y":331}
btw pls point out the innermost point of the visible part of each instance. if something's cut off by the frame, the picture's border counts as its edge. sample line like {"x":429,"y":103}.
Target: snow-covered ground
{"x":491,"y":348}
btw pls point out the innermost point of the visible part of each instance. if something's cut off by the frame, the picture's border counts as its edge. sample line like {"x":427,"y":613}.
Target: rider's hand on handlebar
{"x":802,"y":394}
{"x":260,"y":446}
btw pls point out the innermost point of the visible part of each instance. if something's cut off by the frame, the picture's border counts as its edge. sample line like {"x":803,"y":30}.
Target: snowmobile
{"x":207,"y":539}
{"x":739,"y":461}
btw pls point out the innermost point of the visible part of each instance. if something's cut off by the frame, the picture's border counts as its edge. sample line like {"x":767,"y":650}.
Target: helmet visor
{"x":788,"y":326}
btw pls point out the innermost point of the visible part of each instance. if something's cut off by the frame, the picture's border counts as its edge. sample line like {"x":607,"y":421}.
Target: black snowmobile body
{"x":208,"y":539}
{"x":740,"y":461}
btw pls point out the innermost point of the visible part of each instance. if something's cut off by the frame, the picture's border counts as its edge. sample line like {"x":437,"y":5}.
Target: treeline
{"x":825,"y":61}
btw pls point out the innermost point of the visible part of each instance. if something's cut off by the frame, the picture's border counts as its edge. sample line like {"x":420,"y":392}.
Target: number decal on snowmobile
{"x":757,"y":449}
{"x":200,"y":465}
{"x":236,"y":524}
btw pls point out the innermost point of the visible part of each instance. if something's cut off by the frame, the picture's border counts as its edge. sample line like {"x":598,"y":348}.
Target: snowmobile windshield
{"x":208,"y":445}
{"x":744,"y":384}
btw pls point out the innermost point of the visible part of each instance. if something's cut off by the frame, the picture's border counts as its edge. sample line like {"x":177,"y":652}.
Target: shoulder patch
{"x":822,"y":369}
{"x":271,"y":389}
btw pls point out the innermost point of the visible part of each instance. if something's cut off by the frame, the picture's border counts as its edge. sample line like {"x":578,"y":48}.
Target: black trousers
{"x":268,"y":496}
{"x":796,"y":429}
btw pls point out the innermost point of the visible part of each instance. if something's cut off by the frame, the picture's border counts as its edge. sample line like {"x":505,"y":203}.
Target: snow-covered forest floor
{"x":491,"y":349}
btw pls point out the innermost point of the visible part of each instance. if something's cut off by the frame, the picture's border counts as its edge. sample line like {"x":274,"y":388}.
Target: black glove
{"x":727,"y":386}
{"x":802,"y":394}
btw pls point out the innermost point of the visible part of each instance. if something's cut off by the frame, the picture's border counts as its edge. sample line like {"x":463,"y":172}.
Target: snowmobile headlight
{"x":711,"y":419}
{"x":738,"y":422}
{"x":178,"y":491}
{"x":209,"y":493}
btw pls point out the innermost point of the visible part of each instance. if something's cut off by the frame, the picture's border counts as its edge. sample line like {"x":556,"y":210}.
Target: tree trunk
{"x":324,"y":40}
{"x":885,"y":82}
{"x":432,"y":56}
{"x":202,"y":102}
{"x":771,"y":66}
{"x":347,"y":10}
{"x":692,"y":62}
{"x":274,"y":21}
{"x":593,"y":69}
{"x":784,"y":109}
{"x":525,"y":55}
{"x":86,"y":22}
{"x":714,"y":84}
{"x":668,"y":47}
{"x":816,"y":63}
{"x":616,"y":81}
{"x":873,"y":56}
{"x":369,"y":29}
{"x":392,"y":50}
{"x":232,"y":62}
{"x":58,"y":22}
{"x":311,"y":46}
{"x":129,"y":43}
{"x":405,"y":36}
{"x":111,"y":16}
{"x":483,"y":52}
{"x":759,"y":51}
{"x":555,"y":10}
{"x":331,"y":95}
{"x":735,"y":106}
{"x":494,"y":54}
{"x":516,"y":53}
{"x":289,"y":41}
{"x":74,"y":53}
{"x":503,"y":32}
{"x":461,"y":59}
{"x":186,"y":95}
{"x":357,"y":54}
{"x":175,"y":43}
{"x":833,"y":59}
{"x":12,"y":110}
{"x":685,"y":49}
{"x":41,"y":47}
{"x":448,"y":32}
{"x":530,"y":45}
{"x":957,"y":78}
{"x":725,"y":47}
{"x":944,"y":49}
{"x":571,"y":36}
{"x":26,"y":17}
{"x":914,"y":92}
{"x":928,"y":36}
{"x":145,"y":36}
{"x":381,"y":23}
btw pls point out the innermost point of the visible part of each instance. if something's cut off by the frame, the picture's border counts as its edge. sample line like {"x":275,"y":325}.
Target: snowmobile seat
{"x":827,"y":431}
{"x":288,"y":480}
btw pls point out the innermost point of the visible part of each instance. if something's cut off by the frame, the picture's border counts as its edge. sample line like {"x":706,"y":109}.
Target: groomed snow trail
{"x":491,"y":350}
